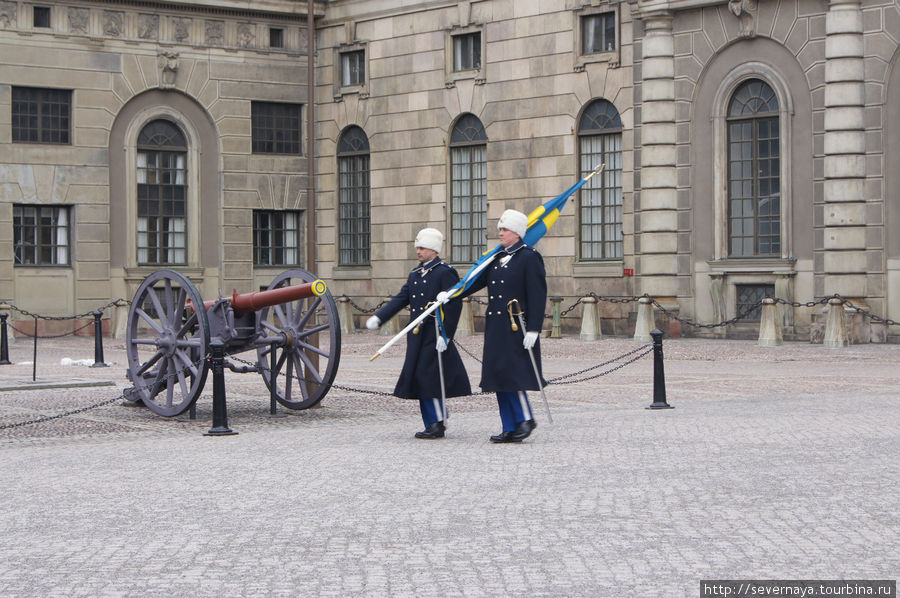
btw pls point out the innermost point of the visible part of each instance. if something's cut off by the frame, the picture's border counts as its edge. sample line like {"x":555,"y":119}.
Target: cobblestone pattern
{"x":775,"y":463}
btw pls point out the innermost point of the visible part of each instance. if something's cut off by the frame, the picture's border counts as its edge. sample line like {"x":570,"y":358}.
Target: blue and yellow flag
{"x":539,"y":222}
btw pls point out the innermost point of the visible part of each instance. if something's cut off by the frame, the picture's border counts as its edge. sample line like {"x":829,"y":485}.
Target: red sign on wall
{"x":628,"y":271}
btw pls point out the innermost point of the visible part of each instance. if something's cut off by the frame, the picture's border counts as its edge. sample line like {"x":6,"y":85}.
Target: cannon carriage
{"x":292,"y":326}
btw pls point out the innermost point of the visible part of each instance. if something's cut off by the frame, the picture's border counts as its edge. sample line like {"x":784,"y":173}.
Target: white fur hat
{"x":514,"y":221}
{"x":430,"y":238}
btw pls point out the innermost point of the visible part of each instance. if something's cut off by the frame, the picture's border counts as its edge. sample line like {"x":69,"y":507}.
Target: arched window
{"x":468,"y":189}
{"x":161,"y":195}
{"x":754,"y":181}
{"x":353,"y":197}
{"x":600,"y":200}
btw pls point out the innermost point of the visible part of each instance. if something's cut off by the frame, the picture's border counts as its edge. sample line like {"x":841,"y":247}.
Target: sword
{"x":519,"y":316}
{"x":437,"y":330}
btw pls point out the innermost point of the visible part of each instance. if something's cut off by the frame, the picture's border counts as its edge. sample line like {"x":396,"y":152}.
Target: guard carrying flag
{"x":517,"y":293}
{"x":429,"y":353}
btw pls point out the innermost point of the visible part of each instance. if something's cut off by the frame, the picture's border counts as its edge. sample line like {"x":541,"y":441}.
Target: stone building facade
{"x":753,"y":152}
{"x":136,"y":136}
{"x":749,"y":146}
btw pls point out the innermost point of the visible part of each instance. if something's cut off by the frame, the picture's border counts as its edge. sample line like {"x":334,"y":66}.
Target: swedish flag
{"x":539,"y":222}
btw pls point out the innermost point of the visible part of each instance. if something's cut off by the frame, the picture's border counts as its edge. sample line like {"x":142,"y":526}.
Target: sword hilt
{"x":513,"y":312}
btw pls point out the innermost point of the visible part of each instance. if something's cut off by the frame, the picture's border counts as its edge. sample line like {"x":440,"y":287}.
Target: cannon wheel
{"x":308,"y":355}
{"x":167,"y":343}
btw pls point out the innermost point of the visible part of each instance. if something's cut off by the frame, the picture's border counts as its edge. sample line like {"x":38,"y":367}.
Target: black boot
{"x":503,"y":437}
{"x":522,"y":431}
{"x":435,"y":430}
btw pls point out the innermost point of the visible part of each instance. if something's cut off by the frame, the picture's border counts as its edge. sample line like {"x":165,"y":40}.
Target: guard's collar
{"x":514,"y":247}
{"x":430,"y":264}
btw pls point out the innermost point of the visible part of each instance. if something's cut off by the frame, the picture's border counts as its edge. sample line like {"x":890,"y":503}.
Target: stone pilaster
{"x":845,"y":147}
{"x":658,"y":203}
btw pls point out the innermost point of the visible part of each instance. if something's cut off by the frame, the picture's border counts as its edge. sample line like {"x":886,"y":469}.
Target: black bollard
{"x":4,"y":341}
{"x":98,"y":340}
{"x":34,"y":359}
{"x":659,"y":375}
{"x":220,"y":411}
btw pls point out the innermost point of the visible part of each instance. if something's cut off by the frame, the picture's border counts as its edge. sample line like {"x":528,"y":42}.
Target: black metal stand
{"x":98,"y":340}
{"x":4,"y":341}
{"x":659,"y":375}
{"x":220,"y":411}
{"x":273,"y":387}
{"x":34,"y":361}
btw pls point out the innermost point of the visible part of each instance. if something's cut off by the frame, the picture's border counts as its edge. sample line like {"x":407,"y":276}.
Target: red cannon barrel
{"x":247,"y":302}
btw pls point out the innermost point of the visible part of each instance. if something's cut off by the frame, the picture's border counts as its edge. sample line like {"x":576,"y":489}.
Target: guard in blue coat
{"x":517,"y":273}
{"x":420,"y":376}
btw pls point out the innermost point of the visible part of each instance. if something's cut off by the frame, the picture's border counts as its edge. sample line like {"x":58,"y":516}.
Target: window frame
{"x":272,"y":247}
{"x":37,"y":247}
{"x":480,"y":141}
{"x":719,"y":166}
{"x":34,"y":14}
{"x":357,"y":155}
{"x":600,"y":184}
{"x":260,"y":122}
{"x":477,"y":73}
{"x":42,"y":103}
{"x":162,"y":166}
{"x":361,"y":88}
{"x":582,"y":58}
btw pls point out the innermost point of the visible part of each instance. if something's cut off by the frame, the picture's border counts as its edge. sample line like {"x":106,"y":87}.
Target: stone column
{"x":845,"y":149}
{"x":658,"y":217}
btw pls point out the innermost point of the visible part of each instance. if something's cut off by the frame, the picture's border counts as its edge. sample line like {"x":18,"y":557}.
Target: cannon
{"x":169,"y":330}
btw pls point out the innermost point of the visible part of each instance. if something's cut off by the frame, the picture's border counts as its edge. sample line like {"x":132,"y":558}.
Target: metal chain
{"x":116,"y":303}
{"x":70,"y":333}
{"x":867,"y":313}
{"x":609,"y":371}
{"x":64,"y":414}
{"x":365,"y":310}
{"x":600,"y":365}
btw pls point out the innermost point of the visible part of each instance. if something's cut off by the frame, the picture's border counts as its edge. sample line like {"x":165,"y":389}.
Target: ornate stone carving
{"x":215,"y":33}
{"x":8,"y":14}
{"x":79,"y":20}
{"x":246,"y":35}
{"x":181,"y":29}
{"x":745,"y":10}
{"x":168,"y":64}
{"x":148,"y":26}
{"x":113,"y":23}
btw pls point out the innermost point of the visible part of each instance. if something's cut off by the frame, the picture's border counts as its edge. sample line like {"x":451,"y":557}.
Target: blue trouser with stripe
{"x":514,"y":408}
{"x":432,"y":410}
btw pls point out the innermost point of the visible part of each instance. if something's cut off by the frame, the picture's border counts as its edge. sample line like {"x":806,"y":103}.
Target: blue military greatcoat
{"x":517,"y":272}
{"x":419,"y":378}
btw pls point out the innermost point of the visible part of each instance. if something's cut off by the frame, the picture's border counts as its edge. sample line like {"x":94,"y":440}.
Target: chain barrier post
{"x":345,"y":314}
{"x":98,"y":340}
{"x":556,"y":326}
{"x":644,"y":322}
{"x":220,"y":410}
{"x":835,"y":325}
{"x":590,"y":322}
{"x":659,"y":375}
{"x":466,"y":326}
{"x":4,"y":342}
{"x":769,"y":325}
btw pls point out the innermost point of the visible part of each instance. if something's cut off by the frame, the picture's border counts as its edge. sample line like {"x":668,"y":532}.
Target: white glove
{"x":373,"y":323}
{"x":440,"y":345}
{"x":530,"y":338}
{"x":442,"y":297}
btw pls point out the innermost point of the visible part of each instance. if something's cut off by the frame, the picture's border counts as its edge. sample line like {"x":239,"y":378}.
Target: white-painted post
{"x":770,"y":325}
{"x":644,"y":324}
{"x":590,"y":323}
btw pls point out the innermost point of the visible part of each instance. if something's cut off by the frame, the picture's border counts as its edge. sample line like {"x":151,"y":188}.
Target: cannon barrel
{"x":256,"y":300}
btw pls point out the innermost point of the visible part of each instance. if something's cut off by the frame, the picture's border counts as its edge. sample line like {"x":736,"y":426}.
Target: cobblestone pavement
{"x":776,"y":463}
